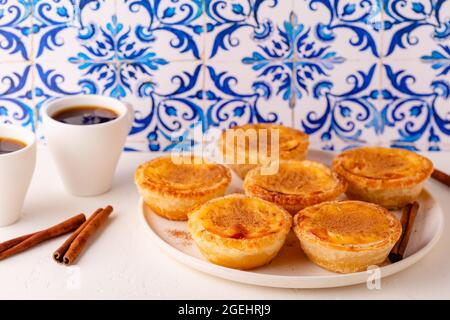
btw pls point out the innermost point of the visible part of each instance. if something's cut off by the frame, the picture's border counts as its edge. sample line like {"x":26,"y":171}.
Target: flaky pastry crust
{"x":239,"y":232}
{"x":347,"y":236}
{"x":386,"y":176}
{"x":293,"y":144}
{"x":172,"y":190}
{"x":296,"y":185}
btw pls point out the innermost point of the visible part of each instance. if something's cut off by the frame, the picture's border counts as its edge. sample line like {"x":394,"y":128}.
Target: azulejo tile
{"x":439,"y":60}
{"x":174,"y":28}
{"x":115,"y":58}
{"x":416,"y":106}
{"x":16,"y":95}
{"x":74,"y":50}
{"x":54,"y":26}
{"x":411,"y":28}
{"x":313,"y":58}
{"x":15,"y":30}
{"x":55,"y":79}
{"x":350,"y":27}
{"x":273,"y":61}
{"x":348,"y":72}
{"x":168,"y":104}
{"x":343,"y":108}
{"x":172,"y":107}
{"x":237,"y":29}
{"x":235,"y":94}
{"x":70,"y":29}
{"x":58,"y":78}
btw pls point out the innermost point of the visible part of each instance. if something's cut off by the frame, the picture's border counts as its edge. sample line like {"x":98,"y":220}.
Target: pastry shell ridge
{"x":347,"y":236}
{"x":239,"y":232}
{"x":293,"y":144}
{"x":387,"y":176}
{"x":298,"y":184}
{"x":172,"y":190}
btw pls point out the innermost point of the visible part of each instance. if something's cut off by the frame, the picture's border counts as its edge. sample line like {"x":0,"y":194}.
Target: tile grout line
{"x":380,"y":66}
{"x":33,"y":76}
{"x":203,"y":56}
{"x":293,"y":97}
{"x":116,"y":62}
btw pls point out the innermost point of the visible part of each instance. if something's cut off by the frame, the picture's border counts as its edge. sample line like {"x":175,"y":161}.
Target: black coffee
{"x":85,"y":115}
{"x":8,"y":145}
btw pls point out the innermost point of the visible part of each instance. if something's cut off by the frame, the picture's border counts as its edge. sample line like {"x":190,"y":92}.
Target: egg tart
{"x":346,"y":236}
{"x":239,"y":232}
{"x":296,"y":185}
{"x":292,"y":144}
{"x":171,"y":190}
{"x":386,"y":176}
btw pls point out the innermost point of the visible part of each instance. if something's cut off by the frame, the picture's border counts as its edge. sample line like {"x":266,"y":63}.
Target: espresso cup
{"x":16,"y":171}
{"x":86,"y":155}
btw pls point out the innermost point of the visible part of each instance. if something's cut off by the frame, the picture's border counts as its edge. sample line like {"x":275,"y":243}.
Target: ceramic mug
{"x":16,"y":171}
{"x":86,"y":155}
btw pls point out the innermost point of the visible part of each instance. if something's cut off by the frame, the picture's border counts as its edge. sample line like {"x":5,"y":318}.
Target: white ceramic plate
{"x":291,"y":268}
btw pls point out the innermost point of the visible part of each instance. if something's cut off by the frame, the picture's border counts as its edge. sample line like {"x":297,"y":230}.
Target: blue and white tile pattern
{"x":348,"y":72}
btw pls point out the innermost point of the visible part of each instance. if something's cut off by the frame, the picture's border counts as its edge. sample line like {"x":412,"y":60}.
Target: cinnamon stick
{"x":393,"y":255}
{"x":79,"y":242}
{"x":58,"y":255}
{"x":441,"y":177}
{"x":407,"y":220}
{"x":409,"y":229}
{"x":38,"y":237}
{"x":11,"y":243}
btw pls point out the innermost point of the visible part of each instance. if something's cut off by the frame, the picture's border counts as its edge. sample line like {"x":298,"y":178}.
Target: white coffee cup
{"x":87,"y":155}
{"x":16,"y":171}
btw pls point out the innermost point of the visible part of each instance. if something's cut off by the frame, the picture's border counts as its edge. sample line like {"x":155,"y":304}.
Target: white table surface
{"x":124,"y":264}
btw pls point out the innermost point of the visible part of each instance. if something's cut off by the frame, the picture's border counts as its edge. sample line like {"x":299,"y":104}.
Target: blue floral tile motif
{"x":346,"y":112}
{"x":405,"y":18}
{"x":235,"y":27}
{"x":400,"y":113}
{"x":227,"y":18}
{"x":416,"y":115}
{"x":179,"y":18}
{"x":228,"y":106}
{"x":348,"y":72}
{"x":311,"y":59}
{"x":360,"y":17}
{"x":104,"y":46}
{"x":52,"y":84}
{"x":15,"y":30}
{"x":274,"y":61}
{"x":173,"y":115}
{"x":50,"y":19}
{"x":16,"y":95}
{"x":115,"y":46}
{"x":60,"y":33}
{"x":439,"y":59}
{"x":170,"y":113}
{"x":297,"y":49}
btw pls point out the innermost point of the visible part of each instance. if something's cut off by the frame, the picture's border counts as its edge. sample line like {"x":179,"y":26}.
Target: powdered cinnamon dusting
{"x":184,"y":236}
{"x":380,"y":164}
{"x":237,"y":213}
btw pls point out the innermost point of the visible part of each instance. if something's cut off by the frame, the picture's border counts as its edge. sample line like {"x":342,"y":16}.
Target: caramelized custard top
{"x":240,"y":217}
{"x":348,"y":223}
